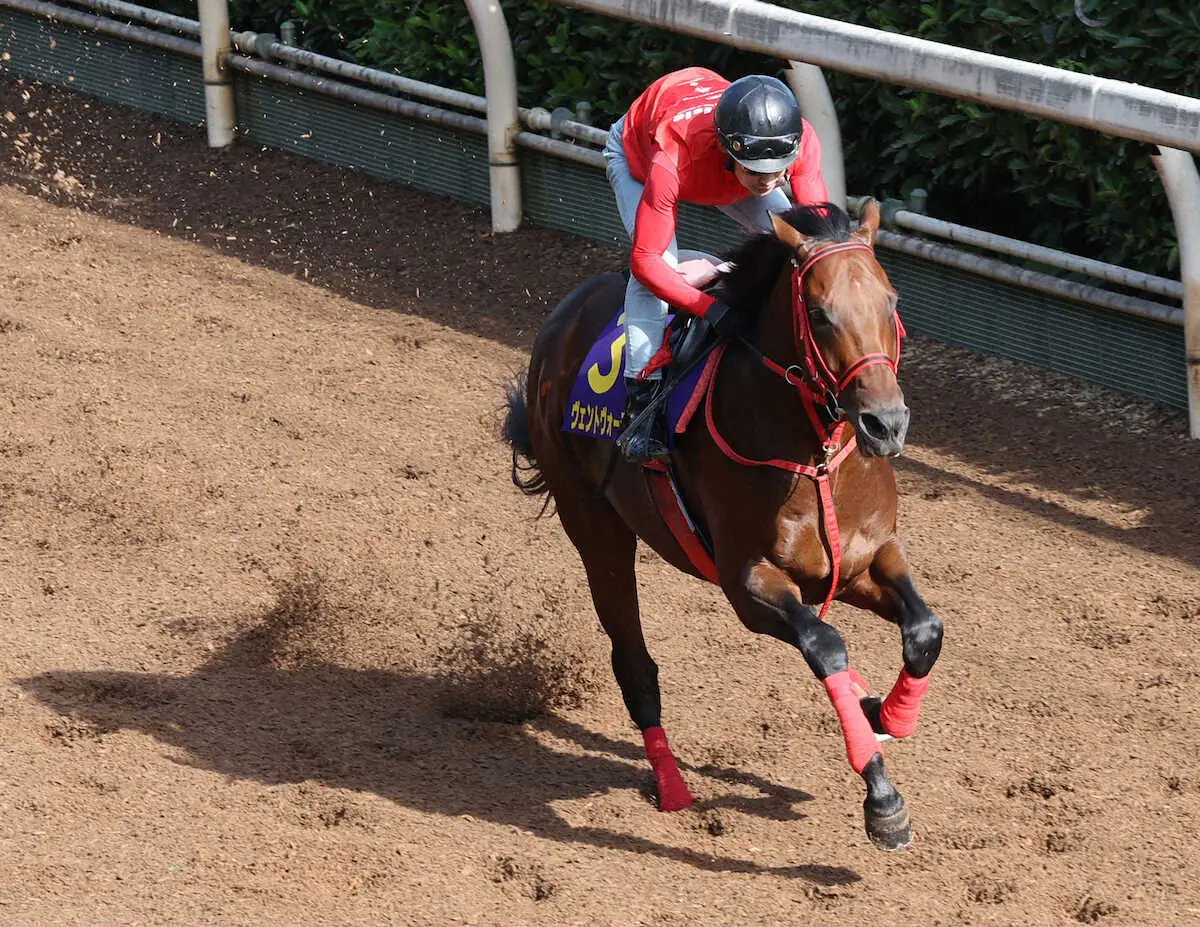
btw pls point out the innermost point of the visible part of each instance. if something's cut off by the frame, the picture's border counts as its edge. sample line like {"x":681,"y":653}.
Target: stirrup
{"x":640,"y":444}
{"x":639,"y":441}
{"x":639,"y":448}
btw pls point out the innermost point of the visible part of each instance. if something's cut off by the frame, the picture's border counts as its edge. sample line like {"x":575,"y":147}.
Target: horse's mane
{"x":759,"y":261}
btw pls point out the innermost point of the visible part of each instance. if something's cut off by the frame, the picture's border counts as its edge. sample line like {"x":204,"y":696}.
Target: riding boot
{"x":647,"y":439}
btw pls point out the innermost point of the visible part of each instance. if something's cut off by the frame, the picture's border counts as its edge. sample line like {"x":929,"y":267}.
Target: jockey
{"x":694,"y":137}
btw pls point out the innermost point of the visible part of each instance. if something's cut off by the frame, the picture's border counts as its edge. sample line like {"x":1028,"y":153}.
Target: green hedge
{"x":1033,"y":179}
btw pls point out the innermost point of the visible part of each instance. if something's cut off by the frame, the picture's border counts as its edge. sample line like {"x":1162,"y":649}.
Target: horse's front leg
{"x":887,"y":589}
{"x":768,"y":602}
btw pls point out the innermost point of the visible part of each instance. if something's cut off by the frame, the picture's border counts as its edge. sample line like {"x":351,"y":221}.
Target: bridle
{"x":816,"y":369}
{"x":818,"y":384}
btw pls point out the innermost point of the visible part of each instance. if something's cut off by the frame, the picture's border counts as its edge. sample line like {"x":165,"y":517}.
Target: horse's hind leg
{"x":887,"y":589}
{"x":607,"y":547}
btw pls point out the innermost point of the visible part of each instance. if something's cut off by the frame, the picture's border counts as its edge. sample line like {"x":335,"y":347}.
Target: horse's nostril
{"x":873,"y":426}
{"x":884,"y":428}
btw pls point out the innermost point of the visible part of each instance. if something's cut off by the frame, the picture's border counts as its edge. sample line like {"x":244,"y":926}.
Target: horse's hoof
{"x":889,"y":831}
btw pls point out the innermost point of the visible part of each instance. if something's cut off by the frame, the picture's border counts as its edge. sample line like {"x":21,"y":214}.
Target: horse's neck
{"x":781,"y":401}
{"x":776,"y":336}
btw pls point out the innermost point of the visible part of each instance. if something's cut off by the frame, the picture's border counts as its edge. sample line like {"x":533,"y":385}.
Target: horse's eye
{"x":819,"y":317}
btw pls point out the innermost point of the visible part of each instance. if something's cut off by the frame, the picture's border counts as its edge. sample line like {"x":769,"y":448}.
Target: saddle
{"x":598,"y":404}
{"x":598,"y":395}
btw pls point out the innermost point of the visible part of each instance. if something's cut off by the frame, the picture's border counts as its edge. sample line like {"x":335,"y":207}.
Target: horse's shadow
{"x":382,"y":732}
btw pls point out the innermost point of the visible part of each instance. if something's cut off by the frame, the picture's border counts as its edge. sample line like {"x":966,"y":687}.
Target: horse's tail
{"x":526,"y":475}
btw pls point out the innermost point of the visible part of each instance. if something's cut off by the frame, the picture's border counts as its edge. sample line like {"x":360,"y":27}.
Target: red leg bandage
{"x":902,"y":707}
{"x":673,"y":795}
{"x":861,"y":744}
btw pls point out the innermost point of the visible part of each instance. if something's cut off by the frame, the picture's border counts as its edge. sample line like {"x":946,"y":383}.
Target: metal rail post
{"x":218,"y":85}
{"x":1182,"y":182}
{"x":816,"y":102}
{"x":503,"y":119}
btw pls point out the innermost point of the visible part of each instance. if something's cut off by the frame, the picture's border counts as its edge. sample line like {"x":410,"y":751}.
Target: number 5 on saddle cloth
{"x":598,"y":395}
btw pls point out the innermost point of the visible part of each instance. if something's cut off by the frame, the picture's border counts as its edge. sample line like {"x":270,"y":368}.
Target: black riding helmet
{"x":758,"y":123}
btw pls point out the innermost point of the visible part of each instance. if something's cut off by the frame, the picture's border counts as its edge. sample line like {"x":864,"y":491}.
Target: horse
{"x":789,"y":482}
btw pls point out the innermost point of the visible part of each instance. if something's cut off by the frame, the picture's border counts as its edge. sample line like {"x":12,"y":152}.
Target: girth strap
{"x":669,"y":502}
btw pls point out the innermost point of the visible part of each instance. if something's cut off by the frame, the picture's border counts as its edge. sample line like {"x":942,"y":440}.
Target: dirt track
{"x":254,"y":512}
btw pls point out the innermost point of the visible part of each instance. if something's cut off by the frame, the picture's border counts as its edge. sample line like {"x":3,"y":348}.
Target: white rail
{"x":1110,"y":106}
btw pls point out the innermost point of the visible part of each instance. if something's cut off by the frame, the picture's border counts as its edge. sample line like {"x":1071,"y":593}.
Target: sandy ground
{"x":265,"y":584}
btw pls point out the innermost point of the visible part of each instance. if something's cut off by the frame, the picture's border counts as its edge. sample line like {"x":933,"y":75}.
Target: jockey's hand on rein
{"x":726,"y":321}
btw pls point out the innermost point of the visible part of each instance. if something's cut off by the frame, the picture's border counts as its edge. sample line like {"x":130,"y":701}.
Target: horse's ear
{"x":788,"y":235}
{"x":868,"y":223}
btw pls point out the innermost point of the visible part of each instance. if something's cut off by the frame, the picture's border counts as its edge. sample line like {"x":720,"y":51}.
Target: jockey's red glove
{"x":726,"y":321}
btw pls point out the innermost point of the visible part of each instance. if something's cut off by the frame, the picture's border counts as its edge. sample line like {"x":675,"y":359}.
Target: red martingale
{"x":835,"y":453}
{"x":817,"y":385}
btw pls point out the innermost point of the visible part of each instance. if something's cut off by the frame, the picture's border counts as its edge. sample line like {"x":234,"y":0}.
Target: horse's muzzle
{"x":881,"y":432}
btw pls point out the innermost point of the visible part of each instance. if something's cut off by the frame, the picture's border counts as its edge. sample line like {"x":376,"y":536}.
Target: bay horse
{"x":788,"y":479}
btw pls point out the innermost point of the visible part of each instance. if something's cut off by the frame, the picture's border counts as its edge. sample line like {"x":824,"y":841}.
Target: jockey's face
{"x":756,"y":183}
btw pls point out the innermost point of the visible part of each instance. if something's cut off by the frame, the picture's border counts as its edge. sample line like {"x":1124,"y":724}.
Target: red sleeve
{"x":653,"y":230}
{"x":808,"y":186}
